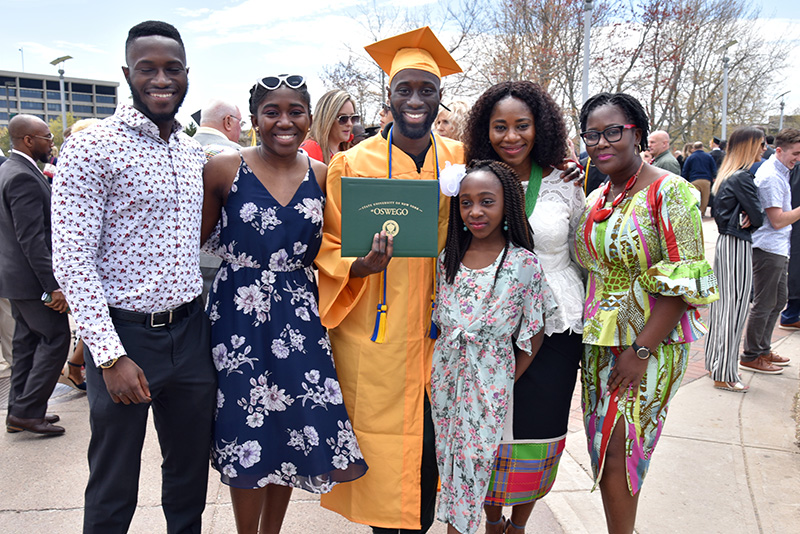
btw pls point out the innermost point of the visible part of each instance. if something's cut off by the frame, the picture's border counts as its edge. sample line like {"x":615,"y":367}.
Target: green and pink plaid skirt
{"x":524,"y":472}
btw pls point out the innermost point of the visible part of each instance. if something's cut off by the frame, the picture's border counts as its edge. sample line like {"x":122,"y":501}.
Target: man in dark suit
{"x":718,"y":150}
{"x":42,"y":335}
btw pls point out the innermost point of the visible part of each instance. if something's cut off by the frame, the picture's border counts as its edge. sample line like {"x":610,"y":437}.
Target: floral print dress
{"x":473,"y":371}
{"x":280,"y":417}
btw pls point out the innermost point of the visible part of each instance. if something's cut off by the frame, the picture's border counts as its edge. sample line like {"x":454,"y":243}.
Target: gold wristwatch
{"x":109,"y":364}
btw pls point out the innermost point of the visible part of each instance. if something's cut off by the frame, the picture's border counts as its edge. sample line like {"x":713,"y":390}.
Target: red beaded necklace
{"x":599,"y":212}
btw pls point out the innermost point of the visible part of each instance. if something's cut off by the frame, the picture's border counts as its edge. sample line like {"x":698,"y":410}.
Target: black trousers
{"x":176,"y":361}
{"x":429,"y":480}
{"x":40,"y":348}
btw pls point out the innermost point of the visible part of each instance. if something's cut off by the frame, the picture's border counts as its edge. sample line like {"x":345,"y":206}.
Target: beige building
{"x":40,"y":95}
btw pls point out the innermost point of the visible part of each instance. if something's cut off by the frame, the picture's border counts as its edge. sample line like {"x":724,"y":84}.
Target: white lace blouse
{"x":554,"y":222}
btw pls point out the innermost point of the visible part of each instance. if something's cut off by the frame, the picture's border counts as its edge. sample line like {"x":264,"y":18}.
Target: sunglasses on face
{"x":612,"y":134}
{"x":355,"y":119}
{"x":292,"y":81}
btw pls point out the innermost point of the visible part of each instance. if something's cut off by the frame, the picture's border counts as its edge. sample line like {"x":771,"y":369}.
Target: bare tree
{"x":542,"y":41}
{"x":456,"y":23}
{"x":665,"y":52}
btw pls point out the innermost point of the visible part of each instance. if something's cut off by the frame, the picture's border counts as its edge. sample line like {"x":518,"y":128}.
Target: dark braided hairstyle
{"x":519,"y":231}
{"x":258,"y":93}
{"x":631,"y":108}
{"x":550,"y":142}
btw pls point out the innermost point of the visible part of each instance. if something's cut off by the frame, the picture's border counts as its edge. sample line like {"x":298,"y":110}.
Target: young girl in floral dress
{"x":490,"y":311}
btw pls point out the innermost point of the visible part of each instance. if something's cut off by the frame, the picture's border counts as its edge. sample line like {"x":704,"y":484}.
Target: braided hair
{"x":549,"y":144}
{"x":630,"y":107}
{"x":519,"y":231}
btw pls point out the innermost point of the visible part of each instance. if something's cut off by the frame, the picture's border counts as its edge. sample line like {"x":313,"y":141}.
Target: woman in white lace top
{"x":520,"y":124}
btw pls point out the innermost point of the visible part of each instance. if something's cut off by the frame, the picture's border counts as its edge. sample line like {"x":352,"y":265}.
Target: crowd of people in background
{"x":381,"y":381}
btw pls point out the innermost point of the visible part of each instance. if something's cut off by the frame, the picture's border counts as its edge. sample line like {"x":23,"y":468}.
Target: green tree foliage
{"x":5,"y":140}
{"x":57,"y":128}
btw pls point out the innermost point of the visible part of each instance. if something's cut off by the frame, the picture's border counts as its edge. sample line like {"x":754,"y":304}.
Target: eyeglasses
{"x":355,"y":119}
{"x":48,"y":137}
{"x":612,"y":134}
{"x":241,"y":122}
{"x":292,"y":81}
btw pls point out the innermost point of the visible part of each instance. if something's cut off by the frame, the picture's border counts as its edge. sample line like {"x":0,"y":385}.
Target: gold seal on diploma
{"x":391,"y":227}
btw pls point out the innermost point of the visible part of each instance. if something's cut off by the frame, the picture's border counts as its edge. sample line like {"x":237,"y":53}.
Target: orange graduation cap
{"x":417,"y":49}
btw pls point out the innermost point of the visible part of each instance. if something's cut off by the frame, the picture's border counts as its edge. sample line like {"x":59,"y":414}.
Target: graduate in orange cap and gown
{"x":383,"y":360}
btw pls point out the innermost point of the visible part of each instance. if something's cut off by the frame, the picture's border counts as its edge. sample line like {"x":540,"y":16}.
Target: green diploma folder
{"x":405,"y":209}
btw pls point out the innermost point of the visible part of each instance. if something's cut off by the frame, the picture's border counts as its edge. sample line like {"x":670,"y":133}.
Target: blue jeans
{"x":792,"y":312}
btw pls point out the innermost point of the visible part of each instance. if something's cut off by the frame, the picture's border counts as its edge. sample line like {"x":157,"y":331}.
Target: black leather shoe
{"x":37,"y":426}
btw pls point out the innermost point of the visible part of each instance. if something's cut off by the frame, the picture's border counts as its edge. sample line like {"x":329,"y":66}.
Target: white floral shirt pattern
{"x":126,"y":223}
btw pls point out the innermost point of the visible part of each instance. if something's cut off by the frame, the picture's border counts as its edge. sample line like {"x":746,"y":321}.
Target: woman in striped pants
{"x":738,"y":213}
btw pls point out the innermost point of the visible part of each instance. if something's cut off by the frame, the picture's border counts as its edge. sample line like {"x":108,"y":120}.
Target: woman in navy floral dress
{"x":280,"y":421}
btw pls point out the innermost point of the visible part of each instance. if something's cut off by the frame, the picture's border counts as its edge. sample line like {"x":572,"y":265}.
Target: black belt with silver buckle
{"x":155,"y":319}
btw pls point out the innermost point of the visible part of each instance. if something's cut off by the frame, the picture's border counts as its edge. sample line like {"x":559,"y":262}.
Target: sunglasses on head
{"x":355,"y":119}
{"x":292,"y":81}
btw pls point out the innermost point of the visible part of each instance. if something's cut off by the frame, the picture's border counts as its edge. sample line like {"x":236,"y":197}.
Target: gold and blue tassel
{"x":434,"y":333}
{"x":379,"y":333}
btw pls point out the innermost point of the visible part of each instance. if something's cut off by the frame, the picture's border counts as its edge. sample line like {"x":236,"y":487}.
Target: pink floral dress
{"x":473,"y":371}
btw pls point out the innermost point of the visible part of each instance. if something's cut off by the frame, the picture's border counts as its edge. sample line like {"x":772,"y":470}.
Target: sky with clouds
{"x":230,"y":43}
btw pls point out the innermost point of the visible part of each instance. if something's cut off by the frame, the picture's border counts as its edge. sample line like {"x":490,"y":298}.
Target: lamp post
{"x":724,"y":50}
{"x":587,"y":26}
{"x":60,"y":62}
{"x":783,"y":104}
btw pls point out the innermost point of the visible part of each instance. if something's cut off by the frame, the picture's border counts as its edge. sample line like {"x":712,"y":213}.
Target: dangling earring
{"x":505,"y":225}
{"x":465,"y":227}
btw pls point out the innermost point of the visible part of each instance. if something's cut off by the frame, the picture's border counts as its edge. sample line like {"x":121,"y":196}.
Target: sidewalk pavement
{"x":726,"y":463}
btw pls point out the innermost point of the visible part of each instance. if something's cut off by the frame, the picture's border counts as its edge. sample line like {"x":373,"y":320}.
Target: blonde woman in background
{"x":451,"y":123}
{"x":332,"y":128}
{"x":737,"y":212}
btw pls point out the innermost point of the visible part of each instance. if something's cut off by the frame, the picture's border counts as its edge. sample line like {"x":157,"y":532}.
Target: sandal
{"x":65,"y":378}
{"x":501,"y":521}
{"x":737,"y":387}
{"x":518,"y":528}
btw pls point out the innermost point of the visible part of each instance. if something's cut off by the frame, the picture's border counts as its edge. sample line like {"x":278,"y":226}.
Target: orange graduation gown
{"x":383,"y":384}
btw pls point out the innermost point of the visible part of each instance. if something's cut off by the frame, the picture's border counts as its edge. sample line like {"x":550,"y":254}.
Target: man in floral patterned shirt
{"x":126,"y":233}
